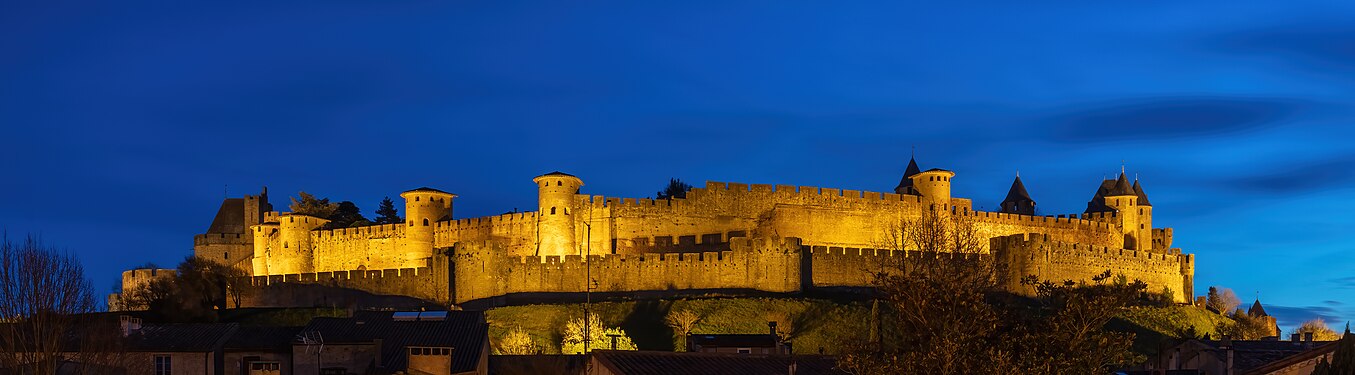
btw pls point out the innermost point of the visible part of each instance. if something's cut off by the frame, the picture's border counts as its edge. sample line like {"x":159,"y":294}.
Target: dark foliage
{"x":386,"y":213}
{"x":675,"y":189}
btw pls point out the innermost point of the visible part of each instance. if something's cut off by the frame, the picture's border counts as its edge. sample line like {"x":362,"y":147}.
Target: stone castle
{"x":723,"y":236}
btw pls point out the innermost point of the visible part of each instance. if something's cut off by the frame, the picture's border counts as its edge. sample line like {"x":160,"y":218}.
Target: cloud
{"x":1288,"y":316}
{"x":1297,"y":177}
{"x":1310,"y":45}
{"x":1343,"y":283}
{"x":1168,"y":118}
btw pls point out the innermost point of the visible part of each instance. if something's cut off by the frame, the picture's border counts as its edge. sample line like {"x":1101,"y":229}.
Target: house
{"x":174,"y":349}
{"x":765,"y":343}
{"x":430,"y":342}
{"x":1241,"y":357}
{"x":621,"y":362}
{"x":260,"y":351}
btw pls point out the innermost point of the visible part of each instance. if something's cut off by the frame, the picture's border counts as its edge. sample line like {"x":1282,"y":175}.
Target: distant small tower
{"x":555,"y":210}
{"x":906,"y":184}
{"x":424,"y":207}
{"x":1018,"y":201}
{"x":1119,"y":197}
{"x":934,"y":185}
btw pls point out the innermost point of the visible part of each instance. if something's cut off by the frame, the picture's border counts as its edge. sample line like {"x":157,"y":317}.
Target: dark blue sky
{"x":123,"y":122}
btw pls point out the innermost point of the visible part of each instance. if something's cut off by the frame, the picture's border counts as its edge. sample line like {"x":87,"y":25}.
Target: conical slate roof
{"x":1256,"y":309}
{"x":1018,"y":192}
{"x":1138,"y":190}
{"x":1121,"y":187}
{"x":906,"y":184}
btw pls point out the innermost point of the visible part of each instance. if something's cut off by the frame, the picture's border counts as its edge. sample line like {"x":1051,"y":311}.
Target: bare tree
{"x":682,"y":322}
{"x":1320,"y":330}
{"x":1222,"y":300}
{"x":44,"y":296}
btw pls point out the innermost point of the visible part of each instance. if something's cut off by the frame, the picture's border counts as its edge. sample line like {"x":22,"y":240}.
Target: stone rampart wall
{"x":369,"y":247}
{"x":1040,"y":255}
{"x":482,"y":271}
{"x":424,"y":283}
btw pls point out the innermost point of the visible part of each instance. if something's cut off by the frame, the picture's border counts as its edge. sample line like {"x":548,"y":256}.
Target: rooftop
{"x":647,"y":363}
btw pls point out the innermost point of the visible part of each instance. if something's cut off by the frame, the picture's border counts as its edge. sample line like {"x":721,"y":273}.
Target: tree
{"x":345,"y":215}
{"x":1319,"y":329}
{"x":597,"y":337}
{"x":1248,"y":327}
{"x":310,"y":205}
{"x":682,"y":322}
{"x":943,"y":312}
{"x":1342,"y":360}
{"x":1221,"y":300}
{"x":44,"y":297}
{"x":199,"y":287}
{"x":675,"y":189}
{"x":386,"y":213}
{"x":518,"y":342}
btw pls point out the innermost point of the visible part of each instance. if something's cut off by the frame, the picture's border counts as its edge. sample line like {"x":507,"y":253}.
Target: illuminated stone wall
{"x":719,"y":236}
{"x":1044,"y":257}
{"x":483,"y":270}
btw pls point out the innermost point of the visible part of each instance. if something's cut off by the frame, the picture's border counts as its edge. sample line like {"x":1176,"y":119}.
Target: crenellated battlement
{"x":1039,"y":254}
{"x":1060,"y":221}
{"x":359,"y":233}
{"x":514,"y":218}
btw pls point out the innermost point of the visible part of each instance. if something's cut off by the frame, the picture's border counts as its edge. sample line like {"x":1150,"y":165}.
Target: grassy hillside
{"x":815,"y":323}
{"x":1155,"y":326}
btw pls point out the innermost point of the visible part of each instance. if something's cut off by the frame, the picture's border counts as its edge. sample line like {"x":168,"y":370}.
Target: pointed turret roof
{"x":1121,"y":187}
{"x":1018,"y":192}
{"x":1138,"y":190}
{"x":906,"y":184}
{"x":1256,"y":309}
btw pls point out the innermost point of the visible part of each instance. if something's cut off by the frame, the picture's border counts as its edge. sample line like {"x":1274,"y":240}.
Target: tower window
{"x":416,"y":199}
{"x":226,"y":255}
{"x":552,"y":210}
{"x":559,"y":183}
{"x":425,"y":222}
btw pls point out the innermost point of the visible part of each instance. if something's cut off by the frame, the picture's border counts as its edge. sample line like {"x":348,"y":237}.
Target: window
{"x":416,"y":199}
{"x":552,"y":210}
{"x":162,"y":365}
{"x":745,"y":351}
{"x":559,"y":183}
{"x":226,"y":255}
{"x":425,"y":222}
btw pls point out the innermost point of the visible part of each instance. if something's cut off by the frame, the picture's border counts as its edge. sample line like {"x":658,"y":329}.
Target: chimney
{"x":128,"y":324}
{"x":376,"y":343}
{"x":771,"y":326}
{"x":1294,"y":338}
{"x":1308,"y":340}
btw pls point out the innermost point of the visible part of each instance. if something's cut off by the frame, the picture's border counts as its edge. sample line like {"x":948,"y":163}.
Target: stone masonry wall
{"x":482,"y":270}
{"x":1039,"y":255}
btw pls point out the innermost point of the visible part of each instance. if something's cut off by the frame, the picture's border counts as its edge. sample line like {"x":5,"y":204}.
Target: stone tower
{"x":1018,"y":201}
{"x":424,"y":207}
{"x":1118,"y":196}
{"x":555,"y":223}
{"x":1145,"y":218}
{"x":934,"y":185}
{"x":293,"y":253}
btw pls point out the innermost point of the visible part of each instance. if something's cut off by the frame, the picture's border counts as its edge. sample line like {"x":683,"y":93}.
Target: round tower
{"x":294,"y":253}
{"x":934,"y":184}
{"x":555,"y":209}
{"x":263,"y":233}
{"x":1121,"y":197}
{"x":424,"y":207}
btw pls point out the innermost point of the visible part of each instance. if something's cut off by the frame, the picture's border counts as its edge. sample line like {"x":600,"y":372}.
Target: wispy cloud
{"x":1168,"y":118}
